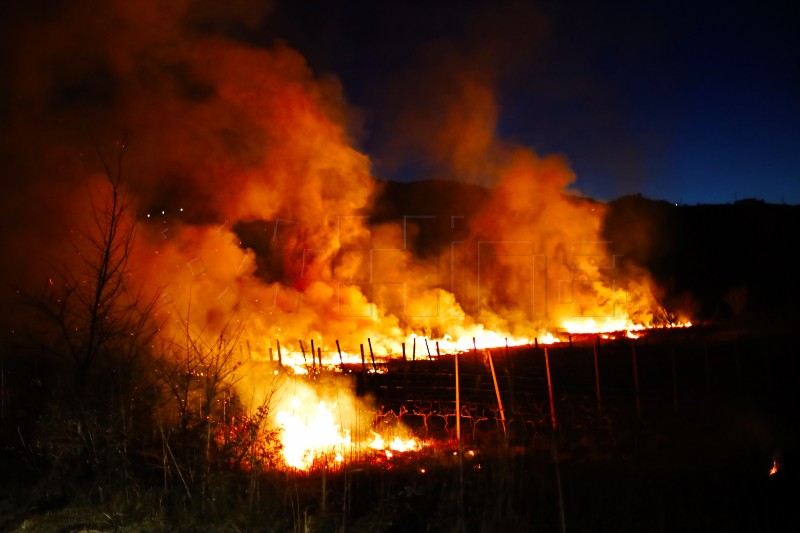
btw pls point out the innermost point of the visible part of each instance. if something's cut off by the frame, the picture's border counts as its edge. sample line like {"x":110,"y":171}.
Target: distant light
{"x":676,"y":205}
{"x":148,"y":215}
{"x":181,"y":210}
{"x":162,"y":212}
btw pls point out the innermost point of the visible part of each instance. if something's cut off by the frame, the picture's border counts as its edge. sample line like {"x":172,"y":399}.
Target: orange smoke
{"x":543,"y":256}
{"x":224,"y":133}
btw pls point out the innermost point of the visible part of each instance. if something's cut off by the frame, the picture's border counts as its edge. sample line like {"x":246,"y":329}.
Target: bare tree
{"x":98,"y":315}
{"x":98,"y":325}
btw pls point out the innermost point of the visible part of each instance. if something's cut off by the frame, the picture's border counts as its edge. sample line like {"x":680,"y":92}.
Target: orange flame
{"x":317,"y":430}
{"x":397,"y":444}
{"x":308,"y":438}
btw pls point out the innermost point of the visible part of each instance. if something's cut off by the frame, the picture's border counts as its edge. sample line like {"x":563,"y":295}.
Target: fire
{"x":549,"y":338}
{"x":774,"y":469}
{"x":308,"y":437}
{"x":324,"y":423}
{"x":397,"y":444}
{"x":608,"y":325}
{"x":481,"y":339}
{"x":599,"y":325}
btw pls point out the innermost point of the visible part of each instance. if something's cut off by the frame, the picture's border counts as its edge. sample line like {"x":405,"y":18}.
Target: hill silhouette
{"x":724,"y":261}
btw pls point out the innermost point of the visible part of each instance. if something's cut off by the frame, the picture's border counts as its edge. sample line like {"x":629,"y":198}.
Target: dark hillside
{"x":738,"y":261}
{"x":729,"y":261}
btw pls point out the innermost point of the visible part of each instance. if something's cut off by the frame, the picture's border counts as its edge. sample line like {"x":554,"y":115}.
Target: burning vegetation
{"x":232,"y":273}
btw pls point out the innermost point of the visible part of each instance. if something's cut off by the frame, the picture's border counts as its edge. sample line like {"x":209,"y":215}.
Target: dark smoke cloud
{"x":441,"y":111}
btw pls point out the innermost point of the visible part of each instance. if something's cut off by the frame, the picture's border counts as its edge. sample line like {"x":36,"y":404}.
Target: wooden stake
{"x":708,"y":372}
{"x":428,"y":347}
{"x":363,"y":364}
{"x":458,"y":407}
{"x":280,"y":359}
{"x":636,"y":381}
{"x":270,"y":354}
{"x":674,"y":382}
{"x":497,"y":393}
{"x":313,"y":351}
{"x":324,"y":499}
{"x":3,"y":393}
{"x":438,"y":355}
{"x":404,"y":350}
{"x":341,"y":360}
{"x":550,"y":390}
{"x":738,"y":369}
{"x":414,"y":349}
{"x":372,"y":355}
{"x":510,"y":386}
{"x":557,"y":462}
{"x":319,"y":354}
{"x":597,"y":379}
{"x":303,"y":350}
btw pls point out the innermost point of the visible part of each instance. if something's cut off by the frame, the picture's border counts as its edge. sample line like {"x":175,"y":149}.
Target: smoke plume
{"x":251,"y":201}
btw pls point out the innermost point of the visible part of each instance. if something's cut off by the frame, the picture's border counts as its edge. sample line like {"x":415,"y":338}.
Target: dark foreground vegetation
{"x":716,"y":411}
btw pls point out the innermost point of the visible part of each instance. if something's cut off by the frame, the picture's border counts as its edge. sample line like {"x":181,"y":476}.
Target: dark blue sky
{"x":691,"y":102}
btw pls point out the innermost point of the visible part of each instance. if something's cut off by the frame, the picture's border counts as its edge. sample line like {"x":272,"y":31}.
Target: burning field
{"x":215,"y":306}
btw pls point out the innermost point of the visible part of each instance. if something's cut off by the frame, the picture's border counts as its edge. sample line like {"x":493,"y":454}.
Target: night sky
{"x":690,"y":102}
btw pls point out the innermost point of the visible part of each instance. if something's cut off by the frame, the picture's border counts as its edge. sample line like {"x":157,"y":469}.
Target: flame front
{"x":323,"y":423}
